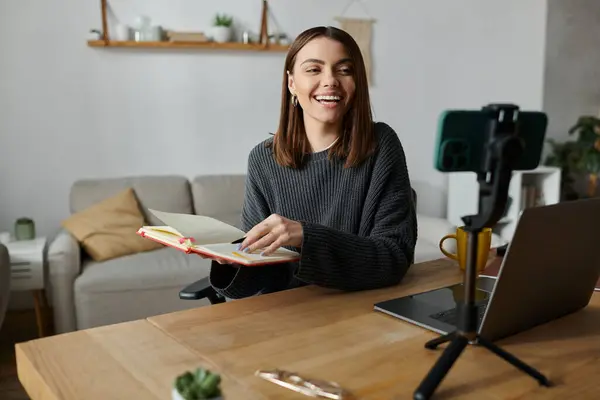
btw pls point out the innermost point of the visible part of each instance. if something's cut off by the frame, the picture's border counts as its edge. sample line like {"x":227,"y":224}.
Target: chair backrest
{"x":4,"y":281}
{"x":414,"y":195}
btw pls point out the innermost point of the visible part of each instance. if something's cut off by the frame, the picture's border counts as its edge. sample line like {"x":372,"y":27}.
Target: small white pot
{"x":221,"y":34}
{"x":176,"y":396}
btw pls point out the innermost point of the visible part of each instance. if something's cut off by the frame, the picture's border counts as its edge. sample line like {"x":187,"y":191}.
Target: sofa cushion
{"x":165,"y":193}
{"x":220,"y":197}
{"x":108,"y":229}
{"x":135,"y":286}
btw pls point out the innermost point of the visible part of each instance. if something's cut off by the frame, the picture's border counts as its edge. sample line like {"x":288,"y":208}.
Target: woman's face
{"x":323,"y":80}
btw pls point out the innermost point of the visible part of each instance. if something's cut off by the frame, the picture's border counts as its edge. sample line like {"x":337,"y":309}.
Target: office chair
{"x":201,"y":290}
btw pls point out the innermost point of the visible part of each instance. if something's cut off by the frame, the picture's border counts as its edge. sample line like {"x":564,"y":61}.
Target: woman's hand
{"x":272,"y":233}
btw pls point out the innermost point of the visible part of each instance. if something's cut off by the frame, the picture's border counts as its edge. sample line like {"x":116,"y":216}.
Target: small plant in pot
{"x":201,"y":384}
{"x":221,"y":30}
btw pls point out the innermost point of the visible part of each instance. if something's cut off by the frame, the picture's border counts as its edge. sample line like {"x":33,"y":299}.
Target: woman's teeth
{"x":328,"y":99}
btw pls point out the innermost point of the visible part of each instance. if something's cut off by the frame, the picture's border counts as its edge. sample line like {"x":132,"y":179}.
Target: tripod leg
{"x":434,"y":343}
{"x":514,"y":361}
{"x":441,"y":368}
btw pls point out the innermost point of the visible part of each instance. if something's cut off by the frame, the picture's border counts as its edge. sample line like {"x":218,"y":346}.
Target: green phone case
{"x":461,"y":135}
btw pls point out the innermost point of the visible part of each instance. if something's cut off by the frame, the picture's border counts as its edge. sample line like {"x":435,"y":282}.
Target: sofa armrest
{"x":64,"y":265}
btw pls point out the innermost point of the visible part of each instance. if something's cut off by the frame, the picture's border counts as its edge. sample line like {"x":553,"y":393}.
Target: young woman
{"x":330,"y":183}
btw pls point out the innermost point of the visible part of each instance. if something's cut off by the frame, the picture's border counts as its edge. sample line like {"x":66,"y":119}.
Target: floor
{"x":18,"y":326}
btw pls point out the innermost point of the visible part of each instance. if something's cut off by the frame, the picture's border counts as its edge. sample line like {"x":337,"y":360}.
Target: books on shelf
{"x":210,"y":238}
{"x":175,"y":36}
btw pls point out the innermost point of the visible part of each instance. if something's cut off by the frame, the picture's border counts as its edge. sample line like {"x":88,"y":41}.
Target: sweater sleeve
{"x":234,"y":281}
{"x":373,"y":259}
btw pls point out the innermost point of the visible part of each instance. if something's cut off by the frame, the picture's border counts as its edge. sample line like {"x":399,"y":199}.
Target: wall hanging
{"x":361,"y":30}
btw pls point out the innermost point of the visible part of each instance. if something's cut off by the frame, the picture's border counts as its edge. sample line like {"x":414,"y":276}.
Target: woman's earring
{"x":294,"y":100}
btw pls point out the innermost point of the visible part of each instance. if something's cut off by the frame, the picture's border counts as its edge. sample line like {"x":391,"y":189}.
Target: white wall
{"x":68,"y":111}
{"x":571,"y":65}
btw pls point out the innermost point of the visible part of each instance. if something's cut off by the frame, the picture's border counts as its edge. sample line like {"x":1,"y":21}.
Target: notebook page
{"x":230,"y":251}
{"x":165,"y":237}
{"x":204,"y":230}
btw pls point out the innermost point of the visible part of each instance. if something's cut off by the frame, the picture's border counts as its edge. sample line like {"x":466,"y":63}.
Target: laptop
{"x":549,"y":270}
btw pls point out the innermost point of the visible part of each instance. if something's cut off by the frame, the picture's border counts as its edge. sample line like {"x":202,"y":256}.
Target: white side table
{"x":28,"y":267}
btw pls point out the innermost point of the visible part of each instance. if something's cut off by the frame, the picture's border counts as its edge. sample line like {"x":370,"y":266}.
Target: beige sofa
{"x":87,"y":294}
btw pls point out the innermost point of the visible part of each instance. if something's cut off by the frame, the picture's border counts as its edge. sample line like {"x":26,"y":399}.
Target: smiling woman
{"x":331,"y":184}
{"x":325,"y":96}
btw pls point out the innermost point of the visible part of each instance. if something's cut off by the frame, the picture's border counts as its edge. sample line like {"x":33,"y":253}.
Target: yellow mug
{"x":462,"y":238}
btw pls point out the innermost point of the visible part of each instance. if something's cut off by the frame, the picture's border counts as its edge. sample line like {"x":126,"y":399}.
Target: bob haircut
{"x":357,"y":140}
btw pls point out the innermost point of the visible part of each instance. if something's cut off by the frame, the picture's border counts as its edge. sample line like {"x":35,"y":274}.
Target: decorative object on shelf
{"x":361,"y":29}
{"x":146,"y":32}
{"x":24,"y":229}
{"x":97,"y":33}
{"x":202,"y":384}
{"x":246,"y":37}
{"x":279,"y":38}
{"x":141,"y":28}
{"x":579,"y":156}
{"x":183,"y":37}
{"x":122,"y":32}
{"x":221,"y":31}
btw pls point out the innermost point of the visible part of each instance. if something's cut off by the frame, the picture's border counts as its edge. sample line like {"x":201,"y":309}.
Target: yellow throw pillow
{"x":108,"y":229}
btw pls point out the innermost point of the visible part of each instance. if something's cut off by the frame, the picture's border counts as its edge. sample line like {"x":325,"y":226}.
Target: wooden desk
{"x":317,"y":333}
{"x":132,"y":360}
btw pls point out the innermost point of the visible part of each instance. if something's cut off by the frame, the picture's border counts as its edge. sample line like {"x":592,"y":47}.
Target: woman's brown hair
{"x":357,"y":140}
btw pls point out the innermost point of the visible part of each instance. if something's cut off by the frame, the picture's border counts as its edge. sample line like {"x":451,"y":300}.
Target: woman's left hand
{"x":272,"y":233}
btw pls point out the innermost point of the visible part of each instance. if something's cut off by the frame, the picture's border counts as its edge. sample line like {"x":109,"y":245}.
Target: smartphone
{"x":462,"y":135}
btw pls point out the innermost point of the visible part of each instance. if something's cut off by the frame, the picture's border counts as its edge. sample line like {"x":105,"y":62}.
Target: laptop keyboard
{"x":451,"y":316}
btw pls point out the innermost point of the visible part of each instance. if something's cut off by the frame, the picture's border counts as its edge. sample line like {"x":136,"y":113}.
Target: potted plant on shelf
{"x":201,"y":384}
{"x":579,"y":156}
{"x":221,"y":30}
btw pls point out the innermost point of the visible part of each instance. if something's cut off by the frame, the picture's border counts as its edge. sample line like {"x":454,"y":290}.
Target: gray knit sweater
{"x":359,"y":223}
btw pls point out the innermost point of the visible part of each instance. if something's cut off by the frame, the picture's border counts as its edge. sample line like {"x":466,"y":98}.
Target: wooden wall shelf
{"x":191,"y":45}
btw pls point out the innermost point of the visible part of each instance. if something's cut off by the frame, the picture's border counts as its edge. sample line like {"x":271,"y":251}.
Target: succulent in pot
{"x":202,"y":384}
{"x":222,"y":28}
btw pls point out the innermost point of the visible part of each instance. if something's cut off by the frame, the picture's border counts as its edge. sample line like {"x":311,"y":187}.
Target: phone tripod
{"x":503,"y":149}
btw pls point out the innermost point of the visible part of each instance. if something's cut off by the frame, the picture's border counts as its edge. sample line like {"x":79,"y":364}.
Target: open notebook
{"x":210,"y":237}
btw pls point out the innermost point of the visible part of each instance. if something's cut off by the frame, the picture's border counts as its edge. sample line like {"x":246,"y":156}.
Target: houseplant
{"x":564,"y":155}
{"x":202,"y":384}
{"x":579,"y":156}
{"x":221,"y":30}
